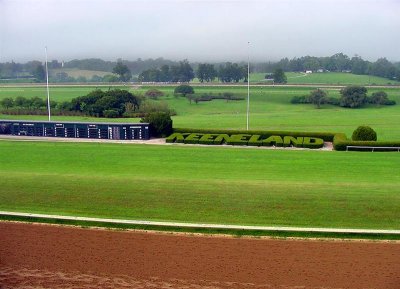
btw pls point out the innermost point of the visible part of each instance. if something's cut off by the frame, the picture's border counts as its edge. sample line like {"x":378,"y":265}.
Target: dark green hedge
{"x":341,"y":142}
{"x":245,"y":139}
{"x":326,"y":136}
{"x":287,"y":138}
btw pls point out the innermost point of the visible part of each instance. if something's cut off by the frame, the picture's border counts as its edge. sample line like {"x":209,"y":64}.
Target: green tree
{"x":206,"y":72}
{"x":182,"y":72}
{"x":39,"y":73}
{"x":379,"y":98}
{"x":22,"y":102}
{"x":279,"y":76}
{"x":353,"y":96}
{"x":123,"y":71}
{"x":37,"y":102}
{"x":232,"y":72}
{"x":7,"y":102}
{"x":160,"y":123}
{"x":317,"y":97}
{"x":184,"y":89}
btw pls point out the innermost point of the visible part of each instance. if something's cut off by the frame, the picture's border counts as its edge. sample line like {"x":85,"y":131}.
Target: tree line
{"x":205,"y":72}
{"x":337,"y":63}
{"x":163,"y":70}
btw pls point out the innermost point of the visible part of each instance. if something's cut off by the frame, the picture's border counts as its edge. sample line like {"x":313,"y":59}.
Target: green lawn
{"x":75,"y":72}
{"x":202,"y":184}
{"x":270,"y":109}
{"x":334,"y":78}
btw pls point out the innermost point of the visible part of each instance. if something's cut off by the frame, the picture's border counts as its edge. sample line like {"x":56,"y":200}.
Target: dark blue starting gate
{"x":94,"y":130}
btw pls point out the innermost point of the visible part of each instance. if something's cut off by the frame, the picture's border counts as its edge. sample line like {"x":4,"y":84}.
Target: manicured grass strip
{"x":201,"y":184}
{"x":236,"y":233}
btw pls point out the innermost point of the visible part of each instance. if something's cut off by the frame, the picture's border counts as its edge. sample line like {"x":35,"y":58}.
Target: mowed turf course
{"x":202,"y":184}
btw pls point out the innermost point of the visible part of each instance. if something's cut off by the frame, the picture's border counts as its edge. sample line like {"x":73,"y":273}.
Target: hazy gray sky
{"x":199,"y":30}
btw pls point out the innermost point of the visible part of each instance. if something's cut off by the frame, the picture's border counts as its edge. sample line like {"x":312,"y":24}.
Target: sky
{"x":198,"y":30}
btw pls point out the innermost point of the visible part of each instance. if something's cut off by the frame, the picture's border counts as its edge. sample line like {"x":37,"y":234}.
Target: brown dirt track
{"x":48,"y":256}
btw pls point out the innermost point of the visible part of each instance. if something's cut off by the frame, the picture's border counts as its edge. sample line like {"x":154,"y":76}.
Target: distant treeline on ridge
{"x":163,"y":70}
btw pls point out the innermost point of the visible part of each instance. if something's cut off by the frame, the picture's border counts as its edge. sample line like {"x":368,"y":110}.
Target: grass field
{"x":202,"y":184}
{"x":333,"y":78}
{"x":270,"y":109}
{"x":74,"y":72}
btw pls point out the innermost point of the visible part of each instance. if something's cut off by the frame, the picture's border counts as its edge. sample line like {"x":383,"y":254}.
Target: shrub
{"x":7,"y":102}
{"x":300,"y":99}
{"x":340,"y":142}
{"x":110,"y":113}
{"x":239,"y":139}
{"x":255,"y":140}
{"x":193,"y":138}
{"x":273,"y":141}
{"x":332,"y":100}
{"x":208,"y":139}
{"x":154,"y":93}
{"x":317,"y":97}
{"x":379,"y":98}
{"x":176,"y":137}
{"x":293,"y":141}
{"x":160,"y":124}
{"x":353,"y":96}
{"x":364,"y":133}
{"x":150,"y":106}
{"x":312,"y":143}
{"x":390,"y":102}
{"x":184,"y":89}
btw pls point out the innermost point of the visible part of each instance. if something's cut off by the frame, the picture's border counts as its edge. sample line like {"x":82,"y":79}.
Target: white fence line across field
{"x":373,"y":148}
{"x":206,"y":226}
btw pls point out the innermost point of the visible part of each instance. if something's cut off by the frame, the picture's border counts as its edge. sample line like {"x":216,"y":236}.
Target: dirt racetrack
{"x":46,"y":256}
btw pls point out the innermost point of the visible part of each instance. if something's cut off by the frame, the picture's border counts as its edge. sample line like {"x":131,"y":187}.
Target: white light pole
{"x":248,"y":84}
{"x":47,"y":84}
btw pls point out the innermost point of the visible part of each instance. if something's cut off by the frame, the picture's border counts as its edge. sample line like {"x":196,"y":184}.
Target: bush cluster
{"x":111,"y":103}
{"x":35,"y":106}
{"x":209,"y":97}
{"x":351,"y":97}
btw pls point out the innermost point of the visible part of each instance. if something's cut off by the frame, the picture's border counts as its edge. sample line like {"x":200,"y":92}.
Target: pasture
{"x":75,"y":72}
{"x":331,"y":78}
{"x":270,"y":109}
{"x":202,"y":184}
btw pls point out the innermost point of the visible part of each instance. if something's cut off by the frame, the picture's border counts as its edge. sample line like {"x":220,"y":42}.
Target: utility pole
{"x":47,"y":85}
{"x":248,"y":85}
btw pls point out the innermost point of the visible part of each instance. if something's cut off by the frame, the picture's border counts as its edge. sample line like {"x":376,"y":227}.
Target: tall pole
{"x":47,"y":84}
{"x":248,"y":84}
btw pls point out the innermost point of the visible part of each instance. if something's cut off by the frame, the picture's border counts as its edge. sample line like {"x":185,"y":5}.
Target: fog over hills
{"x":198,"y":30}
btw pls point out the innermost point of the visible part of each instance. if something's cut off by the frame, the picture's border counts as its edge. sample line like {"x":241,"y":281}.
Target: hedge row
{"x":340,"y":143}
{"x":340,"y":140}
{"x":245,"y":139}
{"x":326,"y":136}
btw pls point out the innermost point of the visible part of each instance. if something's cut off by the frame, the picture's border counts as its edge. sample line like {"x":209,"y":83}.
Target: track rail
{"x":200,"y":225}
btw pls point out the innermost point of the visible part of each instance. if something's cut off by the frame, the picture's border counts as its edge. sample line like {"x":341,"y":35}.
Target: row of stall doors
{"x":81,"y":132}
